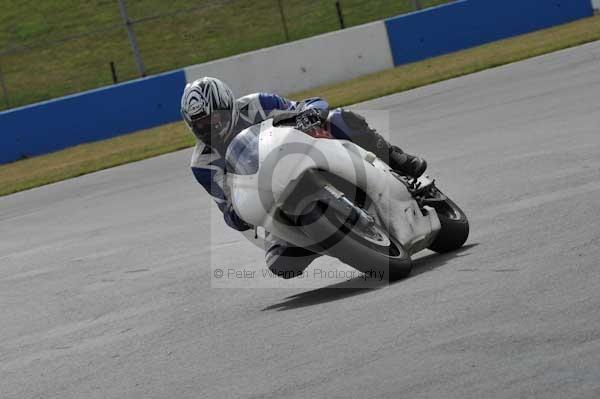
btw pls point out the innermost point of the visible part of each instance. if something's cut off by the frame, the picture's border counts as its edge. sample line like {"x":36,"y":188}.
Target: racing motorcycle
{"x":335,"y":198}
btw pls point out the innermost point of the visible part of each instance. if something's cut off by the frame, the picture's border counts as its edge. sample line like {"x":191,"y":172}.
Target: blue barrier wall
{"x":90,"y":116}
{"x":144,"y":103}
{"x":469,"y":23}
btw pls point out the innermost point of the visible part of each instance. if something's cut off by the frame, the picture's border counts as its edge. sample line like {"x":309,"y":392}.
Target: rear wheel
{"x":455,"y":225}
{"x":369,"y":249}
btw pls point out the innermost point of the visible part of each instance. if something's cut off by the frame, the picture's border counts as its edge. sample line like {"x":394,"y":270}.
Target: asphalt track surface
{"x":105,"y":286}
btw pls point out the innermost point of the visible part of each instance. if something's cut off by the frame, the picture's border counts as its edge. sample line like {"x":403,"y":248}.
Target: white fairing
{"x":285,"y":154}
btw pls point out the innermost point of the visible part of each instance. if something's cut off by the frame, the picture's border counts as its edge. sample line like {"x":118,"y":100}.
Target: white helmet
{"x":209,"y":109}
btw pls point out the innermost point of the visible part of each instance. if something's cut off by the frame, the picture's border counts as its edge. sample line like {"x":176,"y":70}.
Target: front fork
{"x":343,"y":206}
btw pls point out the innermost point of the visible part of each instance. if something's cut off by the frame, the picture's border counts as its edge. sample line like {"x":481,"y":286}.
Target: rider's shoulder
{"x":248,"y":99}
{"x":249,"y":104}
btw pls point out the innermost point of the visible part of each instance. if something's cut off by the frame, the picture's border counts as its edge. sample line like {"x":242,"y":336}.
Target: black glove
{"x":305,"y":120}
{"x":310,"y":119}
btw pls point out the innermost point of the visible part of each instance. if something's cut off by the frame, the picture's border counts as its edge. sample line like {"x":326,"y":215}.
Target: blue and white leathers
{"x":208,"y":165}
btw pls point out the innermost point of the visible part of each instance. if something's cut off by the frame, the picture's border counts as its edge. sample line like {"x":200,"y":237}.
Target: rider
{"x":215,"y":116}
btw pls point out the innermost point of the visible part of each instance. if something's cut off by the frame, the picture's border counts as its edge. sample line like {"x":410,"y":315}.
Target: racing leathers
{"x":208,"y":166}
{"x":208,"y":162}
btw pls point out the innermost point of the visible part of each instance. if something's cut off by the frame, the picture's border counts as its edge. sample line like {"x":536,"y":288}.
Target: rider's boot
{"x":407,"y":164}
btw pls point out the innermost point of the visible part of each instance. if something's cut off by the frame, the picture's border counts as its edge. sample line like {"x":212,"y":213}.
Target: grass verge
{"x":49,"y":67}
{"x":86,"y":158}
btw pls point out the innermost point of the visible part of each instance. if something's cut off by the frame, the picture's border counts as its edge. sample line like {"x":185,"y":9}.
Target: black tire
{"x":341,"y":239}
{"x":455,"y":225}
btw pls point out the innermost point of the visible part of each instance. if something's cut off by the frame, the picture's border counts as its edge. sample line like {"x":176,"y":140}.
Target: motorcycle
{"x":335,"y":198}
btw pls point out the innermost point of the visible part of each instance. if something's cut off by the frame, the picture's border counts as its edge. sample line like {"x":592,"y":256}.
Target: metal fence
{"x":94,"y":44}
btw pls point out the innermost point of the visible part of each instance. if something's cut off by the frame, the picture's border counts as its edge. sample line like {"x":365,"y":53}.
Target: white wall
{"x":596,"y":4}
{"x":303,"y":64}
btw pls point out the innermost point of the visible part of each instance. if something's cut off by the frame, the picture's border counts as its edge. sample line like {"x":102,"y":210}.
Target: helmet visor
{"x":209,"y":128}
{"x":201,"y":127}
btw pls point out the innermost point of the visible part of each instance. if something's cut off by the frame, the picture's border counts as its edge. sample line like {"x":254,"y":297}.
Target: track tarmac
{"x":107,"y":289}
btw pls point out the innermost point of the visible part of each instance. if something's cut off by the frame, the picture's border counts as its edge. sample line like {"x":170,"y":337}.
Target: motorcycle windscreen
{"x":242,"y":153}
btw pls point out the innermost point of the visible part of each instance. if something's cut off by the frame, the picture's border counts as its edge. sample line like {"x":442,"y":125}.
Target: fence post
{"x":4,"y":89}
{"x":283,"y":22}
{"x":113,"y":72}
{"x":417,"y":4}
{"x":132,"y":39}
{"x":338,"y":7}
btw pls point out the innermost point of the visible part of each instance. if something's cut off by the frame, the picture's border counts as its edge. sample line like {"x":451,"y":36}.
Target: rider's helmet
{"x":209,"y":109}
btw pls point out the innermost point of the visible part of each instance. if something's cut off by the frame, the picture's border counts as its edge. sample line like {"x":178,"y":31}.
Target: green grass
{"x":214,"y":30}
{"x":90,"y":157}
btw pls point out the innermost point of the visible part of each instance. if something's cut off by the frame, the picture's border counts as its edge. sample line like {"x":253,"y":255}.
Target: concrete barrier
{"x":303,"y":64}
{"x":94,"y":115}
{"x":467,"y":23}
{"x":100,"y":114}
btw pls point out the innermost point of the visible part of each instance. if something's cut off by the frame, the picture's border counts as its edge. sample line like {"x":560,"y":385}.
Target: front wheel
{"x":455,"y":225}
{"x":369,"y":249}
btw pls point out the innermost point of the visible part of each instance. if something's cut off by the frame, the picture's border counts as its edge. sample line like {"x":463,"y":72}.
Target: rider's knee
{"x":285,"y":269}
{"x":288,"y":262}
